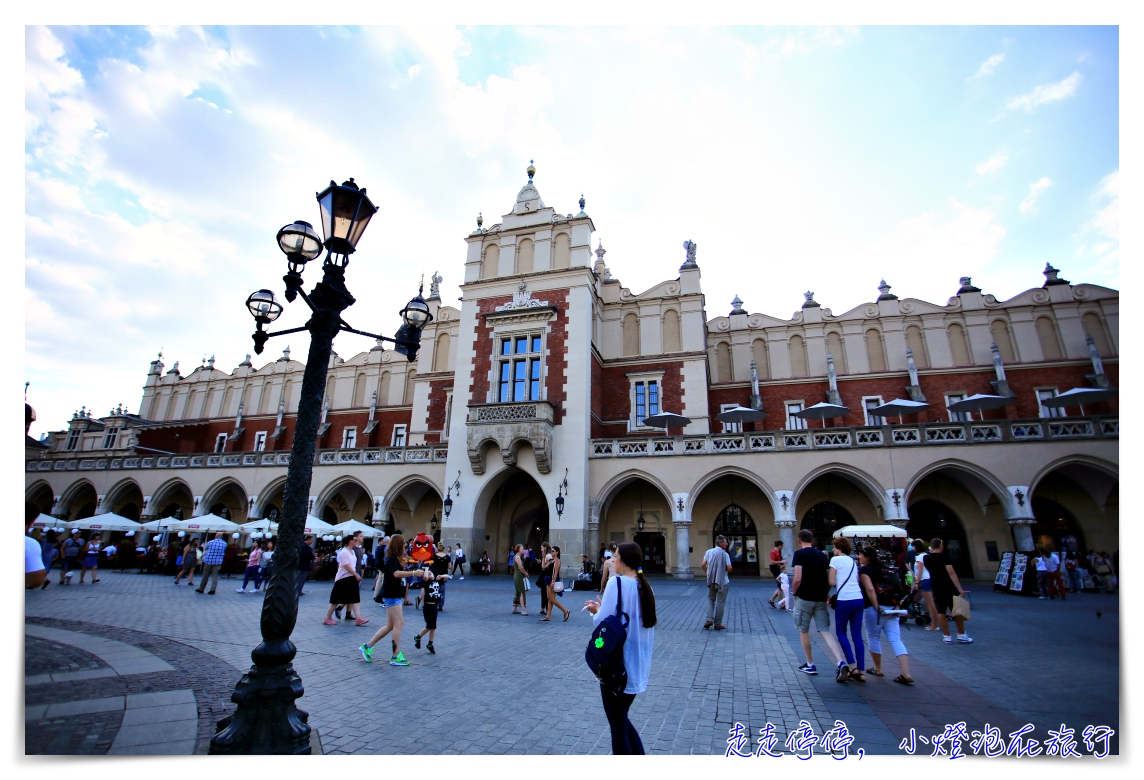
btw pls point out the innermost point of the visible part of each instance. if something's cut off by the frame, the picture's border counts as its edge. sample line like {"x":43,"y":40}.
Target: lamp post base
{"x":267,"y":721}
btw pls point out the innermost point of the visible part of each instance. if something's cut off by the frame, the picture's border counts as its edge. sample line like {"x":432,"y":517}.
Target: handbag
{"x":833,"y":600}
{"x":557,"y":586}
{"x":377,"y":586}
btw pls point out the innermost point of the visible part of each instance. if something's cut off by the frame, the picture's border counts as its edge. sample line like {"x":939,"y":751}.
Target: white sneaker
{"x":462,"y":578}
{"x":241,"y":590}
{"x":964,"y":638}
{"x":947,"y":639}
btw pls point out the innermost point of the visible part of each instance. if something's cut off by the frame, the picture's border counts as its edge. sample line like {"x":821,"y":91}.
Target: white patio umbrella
{"x":47,"y":521}
{"x":898,"y":406}
{"x":822,"y":411}
{"x":316,"y":525}
{"x":353,"y":526}
{"x":201,"y":524}
{"x":667,"y":420}
{"x":260,"y":526}
{"x":105,"y":522}
{"x":870,"y":532}
{"x":740,"y":415}
{"x":979,"y":403}
{"x":1079,"y":396}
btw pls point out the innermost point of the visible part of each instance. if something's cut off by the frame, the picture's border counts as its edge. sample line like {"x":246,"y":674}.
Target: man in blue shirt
{"x":213,"y":554}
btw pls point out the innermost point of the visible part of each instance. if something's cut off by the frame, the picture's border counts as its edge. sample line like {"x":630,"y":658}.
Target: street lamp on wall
{"x":447,"y":504}
{"x":562,"y":491}
{"x":267,"y":720}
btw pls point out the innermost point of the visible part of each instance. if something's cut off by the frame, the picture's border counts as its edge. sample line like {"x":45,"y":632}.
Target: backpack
{"x":605,"y":652}
{"x":889,"y":592}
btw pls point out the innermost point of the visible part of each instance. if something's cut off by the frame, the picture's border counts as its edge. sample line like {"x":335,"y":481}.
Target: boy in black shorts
{"x":431,"y":595}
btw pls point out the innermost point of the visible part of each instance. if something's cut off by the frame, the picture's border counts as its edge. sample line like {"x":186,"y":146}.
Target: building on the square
{"x":546,"y":372}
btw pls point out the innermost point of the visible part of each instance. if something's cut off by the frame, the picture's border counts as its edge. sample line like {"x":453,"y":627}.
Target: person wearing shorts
{"x":809,"y":588}
{"x":519,"y":604}
{"x":432,"y":597}
{"x":778,"y":565}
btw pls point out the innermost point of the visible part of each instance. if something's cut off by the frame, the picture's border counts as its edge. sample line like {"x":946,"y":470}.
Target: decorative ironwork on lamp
{"x":562,"y":491}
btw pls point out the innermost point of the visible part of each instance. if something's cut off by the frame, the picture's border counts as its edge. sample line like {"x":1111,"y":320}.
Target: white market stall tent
{"x":353,"y":526}
{"x":201,"y":524}
{"x":871,"y":532}
{"x":316,"y":525}
{"x":259,"y":526}
{"x":105,"y":522}
{"x":47,"y":521}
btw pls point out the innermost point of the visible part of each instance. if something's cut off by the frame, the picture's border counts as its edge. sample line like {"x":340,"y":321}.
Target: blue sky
{"x":159,"y":164}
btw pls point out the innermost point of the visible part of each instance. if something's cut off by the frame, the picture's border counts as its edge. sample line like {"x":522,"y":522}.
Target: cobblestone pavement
{"x":505,"y":684}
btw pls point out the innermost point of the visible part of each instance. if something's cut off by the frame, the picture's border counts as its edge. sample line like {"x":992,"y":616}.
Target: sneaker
{"x":398,"y":660}
{"x":241,"y":590}
{"x":808,"y":669}
{"x":417,"y":641}
{"x":338,"y":612}
{"x":964,"y":639}
{"x":462,"y":578}
{"x":947,"y":639}
{"x":429,"y":646}
{"x":1040,"y":598}
{"x":842,"y":674}
{"x":366,"y":653}
{"x":328,"y":622}
{"x":349,"y":617}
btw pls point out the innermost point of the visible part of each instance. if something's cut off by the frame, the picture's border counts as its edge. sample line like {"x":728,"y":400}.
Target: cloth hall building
{"x":537,"y":386}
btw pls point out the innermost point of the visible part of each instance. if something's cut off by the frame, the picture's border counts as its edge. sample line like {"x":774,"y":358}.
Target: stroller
{"x":915,"y":607}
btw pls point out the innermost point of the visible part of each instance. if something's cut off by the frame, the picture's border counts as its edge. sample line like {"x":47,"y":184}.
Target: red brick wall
{"x":436,"y":421}
{"x":556,"y":360}
{"x":596,"y":396}
{"x":615,"y":395}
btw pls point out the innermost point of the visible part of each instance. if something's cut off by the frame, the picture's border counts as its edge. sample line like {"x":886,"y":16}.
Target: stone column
{"x":681,"y":518}
{"x":593,"y":531}
{"x":784,"y":521}
{"x":1019,"y":513}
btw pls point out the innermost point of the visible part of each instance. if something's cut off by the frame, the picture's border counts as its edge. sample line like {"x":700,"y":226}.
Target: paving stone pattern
{"x":506,"y":684}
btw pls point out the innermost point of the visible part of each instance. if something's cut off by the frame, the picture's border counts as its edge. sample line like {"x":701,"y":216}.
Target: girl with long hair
{"x":639,"y":604}
{"x":392,"y":574}
{"x":553,"y":575}
{"x":253,"y":567}
{"x":871,"y":576}
{"x":347,"y":582}
{"x":190,"y":561}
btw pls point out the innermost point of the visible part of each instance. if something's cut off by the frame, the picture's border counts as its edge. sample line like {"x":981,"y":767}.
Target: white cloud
{"x":1100,"y":236}
{"x":1035,"y":190}
{"x":988,"y":66}
{"x":1046,"y":93}
{"x":993,"y":164}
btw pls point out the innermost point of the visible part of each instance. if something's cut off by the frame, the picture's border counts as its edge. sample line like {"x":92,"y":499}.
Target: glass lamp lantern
{"x":416,"y":313}
{"x":263,"y":306}
{"x":559,"y":506}
{"x":300,"y":243}
{"x":346,"y":211}
{"x":447,"y":505}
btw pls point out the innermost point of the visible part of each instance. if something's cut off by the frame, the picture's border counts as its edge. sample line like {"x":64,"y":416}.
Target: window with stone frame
{"x":448,"y":415}
{"x":795,"y":423}
{"x":520,"y":369}
{"x":645,"y":397}
{"x":109,"y":437}
{"x":398,"y":439}
{"x":73,"y":439}
{"x":1044,"y":394}
{"x":260,"y":441}
{"x":955,"y":416}
{"x":349,"y":438}
{"x":729,"y":427}
{"x":220,"y":443}
{"x":871,"y":402}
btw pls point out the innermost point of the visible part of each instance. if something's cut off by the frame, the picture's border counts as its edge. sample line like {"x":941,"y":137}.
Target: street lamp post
{"x":267,"y":720}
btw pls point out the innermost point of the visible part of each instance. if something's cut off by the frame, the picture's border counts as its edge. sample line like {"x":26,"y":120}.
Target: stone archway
{"x":636,"y":507}
{"x":40,"y":494}
{"x":733,"y":505}
{"x":511,"y":509}
{"x":930,"y":519}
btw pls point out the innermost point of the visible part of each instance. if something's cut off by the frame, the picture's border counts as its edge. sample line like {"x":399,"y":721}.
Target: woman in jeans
{"x":630,"y":588}
{"x":253,"y":567}
{"x":870,"y":576}
{"x":843,"y":575}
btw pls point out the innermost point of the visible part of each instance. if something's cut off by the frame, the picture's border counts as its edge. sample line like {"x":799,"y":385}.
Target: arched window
{"x":1000,"y":332}
{"x":1047,"y":335}
{"x":917,"y":344}
{"x":331,"y":383}
{"x":823,"y":519}
{"x":561,"y":251}
{"x":631,"y":335}
{"x":208,"y":405}
{"x":671,"y":335}
{"x":742,"y":538}
{"x":834,"y":347}
{"x":1095,"y":328}
{"x":958,"y":347}
{"x":525,"y":253}
{"x":246,"y":408}
{"x":264,"y":399}
{"x":490,"y":262}
{"x":410,"y":375}
{"x":383,"y":389}
{"x":170,"y":413}
{"x":874,"y":350}
{"x":359,"y":390}
{"x":227,"y":397}
{"x":761,"y":357}
{"x":287,"y":389}
{"x":441,"y":353}
{"x":798,"y":363}
{"x":724,"y":371}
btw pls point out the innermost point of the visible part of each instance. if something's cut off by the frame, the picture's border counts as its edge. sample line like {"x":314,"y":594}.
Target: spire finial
{"x":480,"y":220}
{"x":531,"y":171}
{"x":582,"y":202}
{"x":600,"y":251}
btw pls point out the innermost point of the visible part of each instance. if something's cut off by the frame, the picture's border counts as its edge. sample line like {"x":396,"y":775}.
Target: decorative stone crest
{"x":522,"y":299}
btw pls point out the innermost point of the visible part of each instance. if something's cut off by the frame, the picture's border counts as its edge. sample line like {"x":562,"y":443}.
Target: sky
{"x":159,"y":163}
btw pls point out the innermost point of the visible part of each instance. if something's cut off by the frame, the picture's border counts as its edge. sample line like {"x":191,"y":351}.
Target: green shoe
{"x":366,"y":653}
{"x":417,"y":641}
{"x":398,"y":660}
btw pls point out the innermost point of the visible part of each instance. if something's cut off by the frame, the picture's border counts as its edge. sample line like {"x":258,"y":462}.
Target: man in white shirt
{"x":717,"y":565}
{"x":34,"y":571}
{"x":459,"y":562}
{"x":1056,"y":581}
